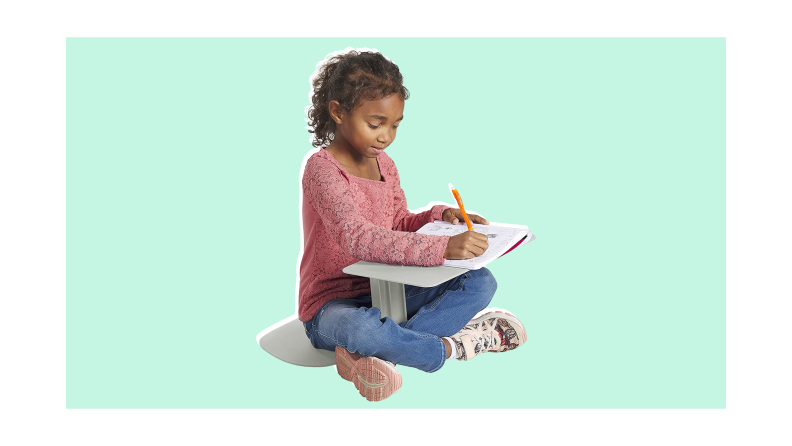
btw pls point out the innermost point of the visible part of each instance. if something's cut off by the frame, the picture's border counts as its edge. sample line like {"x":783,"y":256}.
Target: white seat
{"x":290,"y":344}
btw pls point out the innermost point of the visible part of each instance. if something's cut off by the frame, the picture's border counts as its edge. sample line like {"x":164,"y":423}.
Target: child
{"x":354,"y":209}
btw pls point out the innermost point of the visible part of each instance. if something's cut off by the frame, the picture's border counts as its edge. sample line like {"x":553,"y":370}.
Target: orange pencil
{"x":461,"y":206}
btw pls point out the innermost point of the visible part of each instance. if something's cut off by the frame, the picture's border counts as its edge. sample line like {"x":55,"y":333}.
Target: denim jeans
{"x":432,"y":313}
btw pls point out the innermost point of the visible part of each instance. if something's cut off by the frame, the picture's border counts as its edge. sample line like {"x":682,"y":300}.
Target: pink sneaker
{"x":374,"y":378}
{"x":494,"y":331}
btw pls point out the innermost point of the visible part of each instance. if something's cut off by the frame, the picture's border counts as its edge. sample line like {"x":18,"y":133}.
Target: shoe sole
{"x":372,"y":377}
{"x":509,"y":317}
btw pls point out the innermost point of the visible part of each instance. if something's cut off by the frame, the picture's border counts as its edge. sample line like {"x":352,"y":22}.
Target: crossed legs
{"x":432,"y":313}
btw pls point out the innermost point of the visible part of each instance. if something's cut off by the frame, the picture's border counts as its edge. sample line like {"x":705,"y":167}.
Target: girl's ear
{"x":334,"y":107}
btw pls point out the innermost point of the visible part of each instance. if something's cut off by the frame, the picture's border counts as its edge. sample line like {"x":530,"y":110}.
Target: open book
{"x":502,"y":239}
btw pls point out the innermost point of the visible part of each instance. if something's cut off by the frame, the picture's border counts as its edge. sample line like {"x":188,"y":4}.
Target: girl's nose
{"x":385,"y":137}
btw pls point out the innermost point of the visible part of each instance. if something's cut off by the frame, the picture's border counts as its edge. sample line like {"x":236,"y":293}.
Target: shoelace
{"x":486,"y":341}
{"x":489,"y":338}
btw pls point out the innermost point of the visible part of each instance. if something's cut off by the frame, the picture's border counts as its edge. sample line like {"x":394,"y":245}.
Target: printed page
{"x":500,"y":239}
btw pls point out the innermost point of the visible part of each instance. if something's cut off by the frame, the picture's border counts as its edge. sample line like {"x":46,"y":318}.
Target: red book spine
{"x":515,"y":245}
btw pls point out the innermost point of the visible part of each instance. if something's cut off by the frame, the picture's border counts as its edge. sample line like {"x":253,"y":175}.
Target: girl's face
{"x":370,"y":128}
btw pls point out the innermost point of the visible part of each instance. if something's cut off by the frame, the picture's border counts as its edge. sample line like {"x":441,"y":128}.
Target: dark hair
{"x":349,"y":79}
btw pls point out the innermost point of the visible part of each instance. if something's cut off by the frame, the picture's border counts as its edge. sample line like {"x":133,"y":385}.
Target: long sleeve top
{"x":347,"y":219}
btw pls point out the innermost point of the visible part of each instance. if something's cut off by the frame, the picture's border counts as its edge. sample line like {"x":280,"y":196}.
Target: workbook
{"x":502,"y":238}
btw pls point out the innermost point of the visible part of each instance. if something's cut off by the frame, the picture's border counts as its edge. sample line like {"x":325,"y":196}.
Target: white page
{"x":500,"y":236}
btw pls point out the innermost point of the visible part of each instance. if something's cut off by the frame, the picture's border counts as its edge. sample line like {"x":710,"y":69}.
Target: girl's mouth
{"x":378,"y":150}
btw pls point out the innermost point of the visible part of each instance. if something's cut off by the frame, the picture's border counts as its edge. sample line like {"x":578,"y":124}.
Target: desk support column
{"x":389,"y":297}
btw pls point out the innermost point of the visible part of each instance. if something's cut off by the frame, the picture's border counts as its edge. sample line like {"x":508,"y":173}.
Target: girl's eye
{"x":374,"y":127}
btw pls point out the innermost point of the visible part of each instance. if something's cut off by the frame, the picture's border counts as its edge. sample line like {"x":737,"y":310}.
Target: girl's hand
{"x":466,"y":245}
{"x":455,"y":216}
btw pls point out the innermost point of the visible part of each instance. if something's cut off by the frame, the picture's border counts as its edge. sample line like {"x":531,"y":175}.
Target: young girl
{"x":354,"y":209}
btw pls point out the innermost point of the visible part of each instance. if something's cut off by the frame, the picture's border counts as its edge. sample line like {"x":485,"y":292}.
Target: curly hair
{"x":349,"y":79}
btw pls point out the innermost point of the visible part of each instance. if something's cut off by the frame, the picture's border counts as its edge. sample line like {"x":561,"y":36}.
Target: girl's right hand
{"x":467,"y":245}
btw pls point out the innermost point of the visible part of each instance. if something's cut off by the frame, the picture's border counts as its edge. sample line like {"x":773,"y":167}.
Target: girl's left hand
{"x":455,"y":216}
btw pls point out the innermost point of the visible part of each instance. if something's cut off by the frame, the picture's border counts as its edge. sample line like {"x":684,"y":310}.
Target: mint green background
{"x":183,"y":161}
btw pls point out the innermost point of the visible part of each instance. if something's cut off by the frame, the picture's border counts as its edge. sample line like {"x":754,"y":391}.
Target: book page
{"x":500,"y":239}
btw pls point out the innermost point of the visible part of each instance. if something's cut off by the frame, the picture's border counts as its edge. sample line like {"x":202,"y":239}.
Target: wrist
{"x":439,"y":212}
{"x":445,"y":248}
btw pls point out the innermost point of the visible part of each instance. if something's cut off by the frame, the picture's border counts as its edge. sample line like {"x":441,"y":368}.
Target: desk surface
{"x":422,"y":276}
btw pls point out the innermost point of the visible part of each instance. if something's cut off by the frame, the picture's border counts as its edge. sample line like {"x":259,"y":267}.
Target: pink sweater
{"x":347,"y":219}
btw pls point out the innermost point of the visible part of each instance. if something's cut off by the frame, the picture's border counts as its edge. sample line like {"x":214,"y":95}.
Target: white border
{"x":33,"y":236}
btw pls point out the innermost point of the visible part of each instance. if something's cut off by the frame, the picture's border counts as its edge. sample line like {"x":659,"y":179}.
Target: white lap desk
{"x":387,"y":283}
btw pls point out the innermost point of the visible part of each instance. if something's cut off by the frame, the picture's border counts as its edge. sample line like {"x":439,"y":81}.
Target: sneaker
{"x":495,"y":331}
{"x":374,"y":378}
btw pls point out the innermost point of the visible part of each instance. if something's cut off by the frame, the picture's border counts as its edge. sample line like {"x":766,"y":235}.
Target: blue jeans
{"x":432,"y":313}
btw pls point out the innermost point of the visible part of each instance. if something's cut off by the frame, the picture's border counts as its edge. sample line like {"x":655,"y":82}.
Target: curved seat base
{"x":290,"y":344}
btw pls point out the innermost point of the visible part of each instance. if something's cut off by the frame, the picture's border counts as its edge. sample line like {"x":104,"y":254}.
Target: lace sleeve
{"x":329,"y":193}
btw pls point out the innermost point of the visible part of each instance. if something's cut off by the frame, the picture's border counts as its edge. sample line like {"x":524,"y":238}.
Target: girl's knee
{"x":366,"y":332}
{"x":485,"y":280}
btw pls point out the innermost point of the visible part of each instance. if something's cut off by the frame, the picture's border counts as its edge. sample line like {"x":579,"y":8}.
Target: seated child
{"x":354,"y":209}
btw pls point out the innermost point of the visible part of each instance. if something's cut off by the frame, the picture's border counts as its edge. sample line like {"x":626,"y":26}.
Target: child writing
{"x":354,"y":209}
